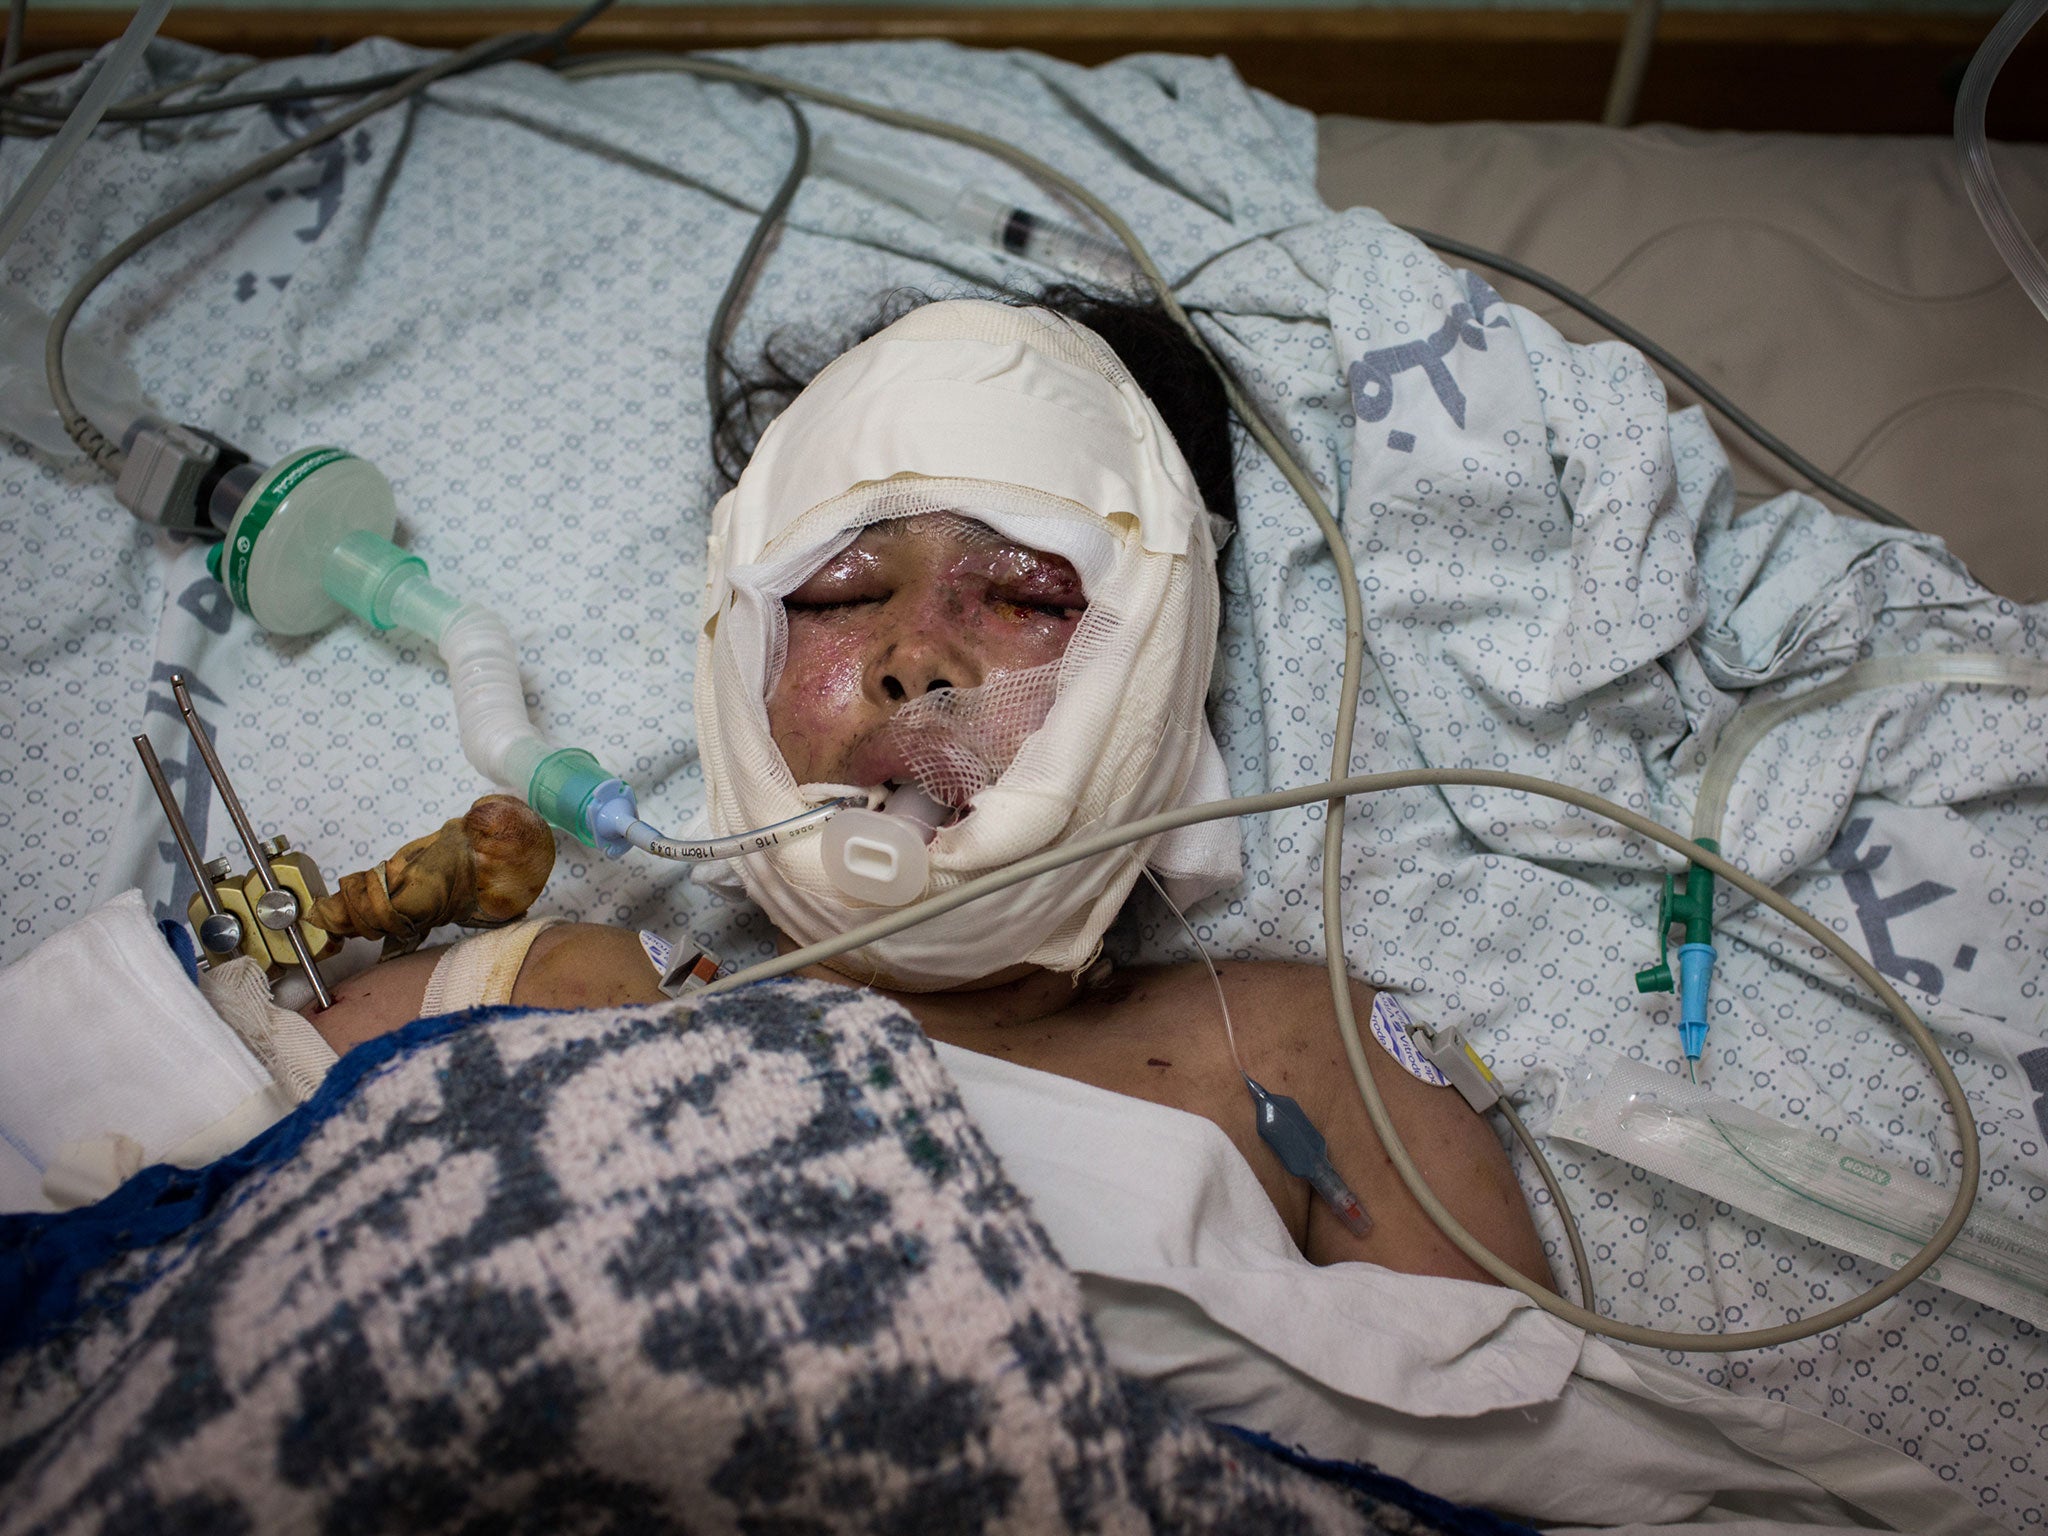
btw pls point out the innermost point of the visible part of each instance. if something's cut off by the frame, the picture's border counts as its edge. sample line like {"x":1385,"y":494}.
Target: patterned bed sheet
{"x":501,"y":297}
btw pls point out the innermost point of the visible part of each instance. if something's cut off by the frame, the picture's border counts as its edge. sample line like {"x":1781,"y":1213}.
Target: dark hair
{"x":1164,"y":362}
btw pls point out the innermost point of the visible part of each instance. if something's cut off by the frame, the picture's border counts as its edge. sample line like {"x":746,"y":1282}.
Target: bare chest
{"x":1153,"y":1035}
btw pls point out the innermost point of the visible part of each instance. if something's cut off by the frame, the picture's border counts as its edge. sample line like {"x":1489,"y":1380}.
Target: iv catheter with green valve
{"x":309,"y":539}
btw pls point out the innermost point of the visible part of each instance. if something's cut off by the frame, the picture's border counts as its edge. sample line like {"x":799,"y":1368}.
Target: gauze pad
{"x":955,"y":742}
{"x":1027,"y":423}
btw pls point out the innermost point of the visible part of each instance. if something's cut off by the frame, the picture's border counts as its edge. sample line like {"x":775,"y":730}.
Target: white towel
{"x":103,"y":1034}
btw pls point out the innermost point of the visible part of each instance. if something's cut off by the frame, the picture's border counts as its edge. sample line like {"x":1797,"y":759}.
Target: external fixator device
{"x":262,"y":912}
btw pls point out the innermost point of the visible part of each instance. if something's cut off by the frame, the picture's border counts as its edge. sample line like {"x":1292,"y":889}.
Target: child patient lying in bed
{"x":976,"y":553}
{"x":972,"y":556}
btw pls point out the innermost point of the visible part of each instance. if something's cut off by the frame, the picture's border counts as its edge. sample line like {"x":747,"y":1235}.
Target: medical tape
{"x":1797,"y":1178}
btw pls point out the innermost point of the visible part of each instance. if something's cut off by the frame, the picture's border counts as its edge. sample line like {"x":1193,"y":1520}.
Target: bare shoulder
{"x":1288,"y":1034}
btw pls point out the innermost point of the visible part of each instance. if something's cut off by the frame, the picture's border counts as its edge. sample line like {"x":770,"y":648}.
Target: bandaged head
{"x":1029,"y":425}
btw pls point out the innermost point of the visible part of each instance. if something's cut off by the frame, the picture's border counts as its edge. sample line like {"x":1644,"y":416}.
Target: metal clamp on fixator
{"x":263,"y":914}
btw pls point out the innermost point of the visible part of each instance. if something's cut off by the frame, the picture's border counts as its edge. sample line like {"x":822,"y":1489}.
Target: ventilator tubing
{"x":311,"y":540}
{"x":387,"y":588}
{"x":1799,"y":1179}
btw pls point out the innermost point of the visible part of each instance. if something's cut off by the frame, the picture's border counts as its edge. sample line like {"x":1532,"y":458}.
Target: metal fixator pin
{"x":277,"y":908}
{"x":221,"y":932}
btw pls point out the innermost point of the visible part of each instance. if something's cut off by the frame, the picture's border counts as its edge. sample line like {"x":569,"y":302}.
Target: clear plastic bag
{"x":1862,"y":1203}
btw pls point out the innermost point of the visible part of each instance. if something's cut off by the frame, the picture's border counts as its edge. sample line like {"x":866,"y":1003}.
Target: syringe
{"x":977,"y":216}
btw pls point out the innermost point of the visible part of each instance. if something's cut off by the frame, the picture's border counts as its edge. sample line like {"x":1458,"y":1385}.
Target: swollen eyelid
{"x":836,"y":584}
{"x":1044,"y":594}
{"x":1043,"y":597}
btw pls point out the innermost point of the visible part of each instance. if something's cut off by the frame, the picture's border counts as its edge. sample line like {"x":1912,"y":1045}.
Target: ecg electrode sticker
{"x":660,"y":953}
{"x":1390,"y":1023}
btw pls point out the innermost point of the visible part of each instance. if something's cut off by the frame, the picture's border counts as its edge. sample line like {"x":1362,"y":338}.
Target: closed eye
{"x":826,"y":604}
{"x":1047,"y":598}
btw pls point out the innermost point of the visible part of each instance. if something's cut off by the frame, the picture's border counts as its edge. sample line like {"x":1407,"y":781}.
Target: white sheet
{"x":102,"y":1034}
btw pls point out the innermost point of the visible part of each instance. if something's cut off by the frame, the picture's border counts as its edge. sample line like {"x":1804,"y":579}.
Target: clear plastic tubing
{"x":648,"y":840}
{"x":1980,"y":181}
{"x":977,"y":216}
{"x":391,"y":590}
{"x":85,"y":117}
{"x":1759,"y":720}
{"x":483,"y":668}
{"x":388,"y":588}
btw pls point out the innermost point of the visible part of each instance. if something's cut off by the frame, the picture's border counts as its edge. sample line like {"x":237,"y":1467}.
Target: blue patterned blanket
{"x":732,"y":1264}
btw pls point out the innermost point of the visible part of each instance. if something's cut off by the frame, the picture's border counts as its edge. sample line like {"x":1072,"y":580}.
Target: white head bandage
{"x":1028,"y":423}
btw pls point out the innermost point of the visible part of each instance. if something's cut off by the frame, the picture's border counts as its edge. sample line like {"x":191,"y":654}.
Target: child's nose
{"x":918,"y":663}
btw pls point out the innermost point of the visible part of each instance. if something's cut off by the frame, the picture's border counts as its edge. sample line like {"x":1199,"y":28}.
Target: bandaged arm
{"x":573,"y":965}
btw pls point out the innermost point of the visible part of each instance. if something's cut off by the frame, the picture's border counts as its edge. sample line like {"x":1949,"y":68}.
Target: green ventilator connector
{"x":1693,"y":907}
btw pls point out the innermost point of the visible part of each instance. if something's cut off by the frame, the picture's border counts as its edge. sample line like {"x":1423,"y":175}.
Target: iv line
{"x":1283,"y":1125}
{"x":1222,"y":1002}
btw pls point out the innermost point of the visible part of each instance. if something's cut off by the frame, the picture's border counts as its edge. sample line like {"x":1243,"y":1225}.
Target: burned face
{"x":914,"y":605}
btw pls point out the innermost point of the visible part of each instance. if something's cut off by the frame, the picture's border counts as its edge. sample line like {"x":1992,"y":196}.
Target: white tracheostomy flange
{"x":954,"y":743}
{"x":1027,"y":423}
{"x":878,"y":855}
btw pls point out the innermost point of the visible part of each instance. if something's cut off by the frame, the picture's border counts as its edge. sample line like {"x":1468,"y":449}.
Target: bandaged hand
{"x":480,"y":870}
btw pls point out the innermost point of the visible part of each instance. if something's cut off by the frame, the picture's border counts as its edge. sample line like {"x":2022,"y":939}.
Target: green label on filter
{"x":243,"y":545}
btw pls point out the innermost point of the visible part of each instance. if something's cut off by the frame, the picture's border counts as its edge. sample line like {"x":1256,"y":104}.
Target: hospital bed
{"x":549,"y":455}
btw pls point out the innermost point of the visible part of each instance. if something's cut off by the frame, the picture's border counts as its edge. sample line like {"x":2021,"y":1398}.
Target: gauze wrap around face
{"x":1026,"y":422}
